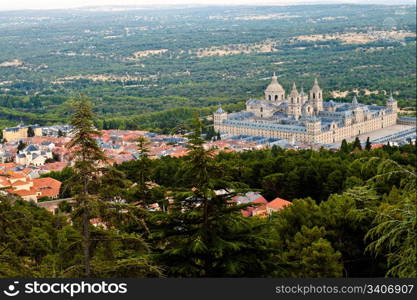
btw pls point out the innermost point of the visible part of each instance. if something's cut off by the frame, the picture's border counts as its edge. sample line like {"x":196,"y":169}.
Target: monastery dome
{"x":274,"y":86}
{"x":332,"y":103}
{"x":220,"y":110}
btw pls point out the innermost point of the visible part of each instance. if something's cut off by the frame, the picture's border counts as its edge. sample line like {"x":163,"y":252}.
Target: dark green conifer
{"x":110,"y":249}
{"x":368,"y":144}
{"x":31,"y":132}
{"x":344,"y":147}
{"x":204,"y":233}
{"x":87,"y":156}
{"x":357,"y":144}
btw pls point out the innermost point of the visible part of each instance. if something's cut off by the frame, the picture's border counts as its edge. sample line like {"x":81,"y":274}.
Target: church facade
{"x":304,"y":117}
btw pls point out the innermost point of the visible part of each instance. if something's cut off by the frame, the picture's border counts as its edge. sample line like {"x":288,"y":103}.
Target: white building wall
{"x":328,"y":137}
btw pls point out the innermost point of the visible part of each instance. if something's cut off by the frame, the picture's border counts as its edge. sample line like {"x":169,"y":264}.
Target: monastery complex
{"x":302,"y":117}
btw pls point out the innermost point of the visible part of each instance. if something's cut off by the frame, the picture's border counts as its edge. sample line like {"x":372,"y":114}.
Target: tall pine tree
{"x":204,"y":233}
{"x":109,"y":247}
{"x":143,"y":170}
{"x":87,"y":156}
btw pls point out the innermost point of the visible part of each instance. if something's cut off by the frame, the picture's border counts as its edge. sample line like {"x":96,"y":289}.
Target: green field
{"x":142,"y":68}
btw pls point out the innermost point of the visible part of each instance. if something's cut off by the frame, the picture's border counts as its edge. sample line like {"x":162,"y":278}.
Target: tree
{"x":368,"y":145}
{"x":272,"y":184}
{"x":394,"y":234}
{"x":275,"y":150}
{"x":204,"y":234}
{"x":311,"y":255}
{"x":64,"y":207}
{"x":357,"y":144}
{"x":30,"y":132}
{"x":55,"y":158}
{"x":347,"y":217}
{"x":87,"y":155}
{"x":28,"y":239}
{"x":113,"y":185}
{"x":109,"y":246}
{"x":291,"y":185}
{"x":218,"y":135}
{"x":334,"y":182}
{"x":344,"y":147}
{"x":210,"y":134}
{"x":21,"y":146}
{"x":143,"y":170}
{"x":351,"y":182}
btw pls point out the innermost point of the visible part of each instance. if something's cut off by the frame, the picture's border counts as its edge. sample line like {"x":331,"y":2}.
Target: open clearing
{"x":357,"y":38}
{"x":264,"y":47}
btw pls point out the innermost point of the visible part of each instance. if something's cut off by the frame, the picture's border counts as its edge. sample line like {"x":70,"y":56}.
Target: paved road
{"x":54,"y":202}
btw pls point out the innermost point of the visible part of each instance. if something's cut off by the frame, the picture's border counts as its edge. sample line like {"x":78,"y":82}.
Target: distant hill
{"x":137,"y":63}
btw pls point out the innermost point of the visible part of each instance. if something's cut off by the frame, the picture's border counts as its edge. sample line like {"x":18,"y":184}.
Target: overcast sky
{"x":53,"y":4}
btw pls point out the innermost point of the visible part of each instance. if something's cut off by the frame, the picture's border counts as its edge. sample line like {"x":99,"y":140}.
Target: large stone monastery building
{"x":305,"y":117}
{"x":20,"y":132}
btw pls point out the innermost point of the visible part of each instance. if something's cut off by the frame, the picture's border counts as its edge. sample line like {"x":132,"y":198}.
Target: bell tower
{"x":219,"y":116}
{"x":392,"y":104}
{"x":316,"y":97}
{"x":294,"y":106}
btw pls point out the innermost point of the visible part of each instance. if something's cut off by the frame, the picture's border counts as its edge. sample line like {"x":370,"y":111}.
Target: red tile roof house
{"x":28,"y":195}
{"x":31,"y":190}
{"x":264,"y":208}
{"x":250,"y":197}
{"x":7,"y":166}
{"x":54,"y":166}
{"x":118,"y":159}
{"x":259,"y":211}
{"x":48,"y":187}
{"x":179,"y":152}
{"x":130,"y":138}
{"x":276,"y":205}
{"x":16,"y":176}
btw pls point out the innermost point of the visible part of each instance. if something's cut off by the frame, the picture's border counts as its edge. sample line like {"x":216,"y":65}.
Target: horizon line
{"x":167,"y":5}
